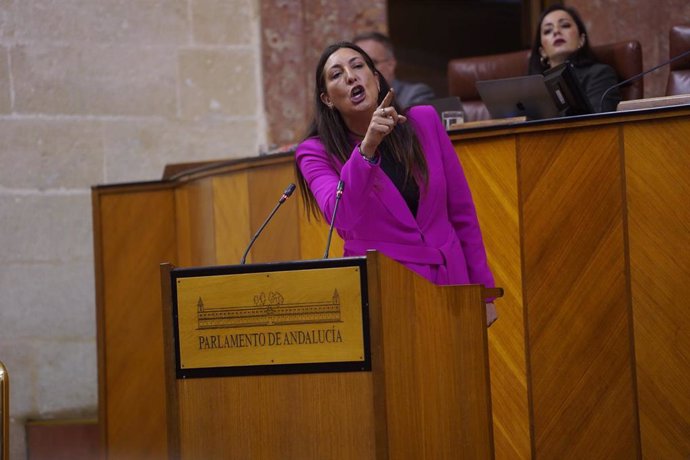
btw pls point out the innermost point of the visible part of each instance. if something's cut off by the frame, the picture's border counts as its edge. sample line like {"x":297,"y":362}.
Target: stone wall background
{"x":95,"y":92}
{"x":294,"y":33}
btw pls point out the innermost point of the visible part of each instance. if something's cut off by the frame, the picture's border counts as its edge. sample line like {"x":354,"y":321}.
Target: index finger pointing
{"x":388,"y":100}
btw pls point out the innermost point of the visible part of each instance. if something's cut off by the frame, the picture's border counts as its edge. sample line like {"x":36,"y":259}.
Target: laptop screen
{"x":525,"y":96}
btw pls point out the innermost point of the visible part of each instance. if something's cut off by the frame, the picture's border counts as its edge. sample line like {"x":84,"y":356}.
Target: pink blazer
{"x":443,"y":243}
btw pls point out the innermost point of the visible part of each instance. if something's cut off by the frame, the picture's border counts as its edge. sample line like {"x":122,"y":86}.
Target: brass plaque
{"x":278,"y":318}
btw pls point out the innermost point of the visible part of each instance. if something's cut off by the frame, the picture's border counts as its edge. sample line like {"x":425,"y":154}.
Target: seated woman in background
{"x":561,"y":36}
{"x":405,"y":192}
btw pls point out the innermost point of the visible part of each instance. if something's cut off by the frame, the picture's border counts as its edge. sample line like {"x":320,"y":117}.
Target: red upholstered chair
{"x":625,"y":57}
{"x":463,"y":73}
{"x":679,"y":75}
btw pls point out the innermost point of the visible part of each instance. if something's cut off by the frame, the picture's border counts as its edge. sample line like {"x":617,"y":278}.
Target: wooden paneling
{"x":427,"y":397}
{"x":231,"y":209}
{"x":658,"y":184}
{"x":432,"y":372}
{"x":603,"y":222}
{"x":324,"y":416}
{"x":576,"y":297}
{"x":314,"y":236}
{"x":204,"y":218}
{"x":491,"y":171}
{"x":135,"y":235}
{"x":280,"y":239}
{"x":577,"y":264}
{"x":194,"y":221}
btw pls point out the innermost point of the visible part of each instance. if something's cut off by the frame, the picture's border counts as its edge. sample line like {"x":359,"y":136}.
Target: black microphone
{"x":635,"y":77}
{"x":338,"y":194}
{"x":288,"y":191}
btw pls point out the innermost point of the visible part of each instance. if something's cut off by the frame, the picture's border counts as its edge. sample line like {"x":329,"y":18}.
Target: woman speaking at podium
{"x":405,"y":193}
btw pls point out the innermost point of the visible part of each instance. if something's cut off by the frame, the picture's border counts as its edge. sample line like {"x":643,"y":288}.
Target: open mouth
{"x":357,"y":94}
{"x":558,"y":42}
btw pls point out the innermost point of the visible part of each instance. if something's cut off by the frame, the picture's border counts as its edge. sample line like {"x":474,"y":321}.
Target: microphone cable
{"x":286,"y":194}
{"x":338,"y":195}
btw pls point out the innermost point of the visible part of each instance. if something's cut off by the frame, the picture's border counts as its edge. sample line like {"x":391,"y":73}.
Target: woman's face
{"x":560,"y":37}
{"x":352,"y":88}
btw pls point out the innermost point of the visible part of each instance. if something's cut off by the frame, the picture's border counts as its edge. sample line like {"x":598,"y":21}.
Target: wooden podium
{"x":409,"y":377}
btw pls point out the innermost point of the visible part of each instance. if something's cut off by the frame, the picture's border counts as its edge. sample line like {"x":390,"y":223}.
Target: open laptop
{"x":525,"y":96}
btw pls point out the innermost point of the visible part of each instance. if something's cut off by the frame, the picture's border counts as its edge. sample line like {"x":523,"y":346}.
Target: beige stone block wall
{"x":6,"y":22}
{"x":41,"y":154}
{"x":95,"y":92}
{"x":151,"y":143}
{"x":94,"y":79}
{"x":5,"y":97}
{"x":217,"y":82}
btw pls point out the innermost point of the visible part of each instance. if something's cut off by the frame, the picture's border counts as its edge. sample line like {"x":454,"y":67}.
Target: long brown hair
{"x":329,"y":127}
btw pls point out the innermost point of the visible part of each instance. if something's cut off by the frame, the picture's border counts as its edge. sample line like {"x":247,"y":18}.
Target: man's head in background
{"x":380,"y":50}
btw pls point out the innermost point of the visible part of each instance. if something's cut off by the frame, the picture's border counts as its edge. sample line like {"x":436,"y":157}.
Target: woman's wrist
{"x":365,"y":150}
{"x":370,"y":158}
